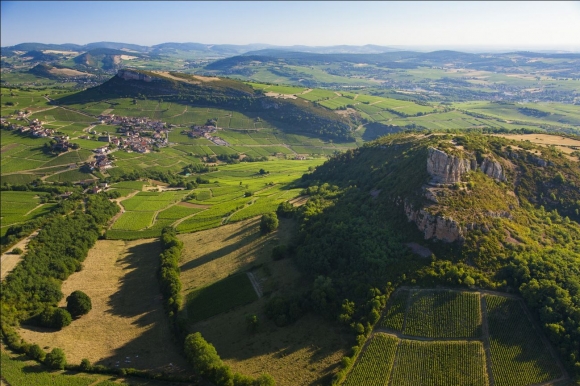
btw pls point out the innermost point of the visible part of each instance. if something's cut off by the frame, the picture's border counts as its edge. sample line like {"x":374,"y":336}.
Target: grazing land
{"x":299,"y":354}
{"x":127,"y":326}
{"x":221,"y":296}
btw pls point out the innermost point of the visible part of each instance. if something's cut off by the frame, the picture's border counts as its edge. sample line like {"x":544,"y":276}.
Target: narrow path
{"x":175,"y":224}
{"x":33,"y":209}
{"x":255,"y":284}
{"x":9,"y":261}
{"x":395,"y":363}
{"x":118,"y":202}
{"x":486,"y":345}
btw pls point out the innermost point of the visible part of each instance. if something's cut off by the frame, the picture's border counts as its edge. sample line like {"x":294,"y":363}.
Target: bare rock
{"x":446,"y":169}
{"x":133,"y":75}
{"x":493,"y":169}
{"x":434,"y":227}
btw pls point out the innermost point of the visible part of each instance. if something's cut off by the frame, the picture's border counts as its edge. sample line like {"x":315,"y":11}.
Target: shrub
{"x":252,"y":322}
{"x":86,"y":365}
{"x":55,"y":318}
{"x":35,"y":352}
{"x":279,"y":252}
{"x":55,"y":359}
{"x":78,"y":303}
{"x":268,"y":223}
{"x":17,"y":251}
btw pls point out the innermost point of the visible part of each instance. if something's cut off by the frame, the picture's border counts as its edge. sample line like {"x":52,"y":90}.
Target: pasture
{"x":297,"y":354}
{"x":127,"y":326}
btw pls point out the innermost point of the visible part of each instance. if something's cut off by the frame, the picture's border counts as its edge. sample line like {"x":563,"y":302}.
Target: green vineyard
{"x":440,"y":364}
{"x":436,"y":338}
{"x":375,"y":364}
{"x":518,"y":355}
{"x":395,"y":316}
{"x":444,"y":314}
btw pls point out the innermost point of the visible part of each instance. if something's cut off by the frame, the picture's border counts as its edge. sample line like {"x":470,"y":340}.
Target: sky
{"x":501,"y":25}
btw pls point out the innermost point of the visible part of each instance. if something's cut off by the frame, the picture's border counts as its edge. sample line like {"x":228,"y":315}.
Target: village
{"x":207,"y":132}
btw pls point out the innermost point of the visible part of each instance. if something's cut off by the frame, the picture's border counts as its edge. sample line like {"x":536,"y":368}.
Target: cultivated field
{"x":440,"y":340}
{"x":127,"y":326}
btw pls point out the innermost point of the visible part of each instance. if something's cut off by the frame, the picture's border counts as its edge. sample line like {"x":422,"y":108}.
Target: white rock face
{"x":493,"y":169}
{"x":444,"y":168}
{"x":444,"y":229}
{"x":132,"y":75}
{"x":448,"y":169}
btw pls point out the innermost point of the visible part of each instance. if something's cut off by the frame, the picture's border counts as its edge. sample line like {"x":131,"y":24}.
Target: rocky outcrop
{"x":133,"y":75}
{"x":493,"y":169}
{"x":434,"y":227}
{"x":447,"y":169}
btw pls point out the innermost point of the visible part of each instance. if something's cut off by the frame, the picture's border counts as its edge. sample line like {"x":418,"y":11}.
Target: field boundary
{"x":486,"y":344}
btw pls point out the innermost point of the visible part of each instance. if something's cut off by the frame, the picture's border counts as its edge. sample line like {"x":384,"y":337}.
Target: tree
{"x":35,"y":352}
{"x":55,"y":318}
{"x":262,"y":172}
{"x":56,"y":359}
{"x":252,"y":322}
{"x":268,"y":223}
{"x":86,"y":365}
{"x":78,"y":303}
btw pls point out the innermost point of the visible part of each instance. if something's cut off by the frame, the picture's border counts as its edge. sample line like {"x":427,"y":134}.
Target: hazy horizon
{"x":467,"y":26}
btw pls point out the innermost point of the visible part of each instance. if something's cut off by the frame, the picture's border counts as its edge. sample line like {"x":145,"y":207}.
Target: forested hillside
{"x":495,"y":214}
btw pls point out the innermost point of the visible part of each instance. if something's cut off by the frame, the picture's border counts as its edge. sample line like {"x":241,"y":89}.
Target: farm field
{"x":19,"y":207}
{"x":443,"y":314}
{"x":127,"y":324}
{"x":376,"y":362}
{"x":439,"y":364}
{"x":440,"y":341}
{"x":394,"y":317}
{"x":518,"y":355}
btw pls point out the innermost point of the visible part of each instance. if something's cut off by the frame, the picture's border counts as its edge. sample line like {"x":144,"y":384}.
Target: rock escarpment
{"x":432,"y":226}
{"x":133,"y":75}
{"x":493,"y":169}
{"x":448,"y":169}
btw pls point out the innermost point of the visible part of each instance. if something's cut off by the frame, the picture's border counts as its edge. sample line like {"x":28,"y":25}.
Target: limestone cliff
{"x":133,"y":75}
{"x":448,"y":169}
{"x":432,"y":226}
{"x":493,"y":169}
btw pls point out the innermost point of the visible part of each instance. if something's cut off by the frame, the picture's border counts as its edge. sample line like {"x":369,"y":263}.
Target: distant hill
{"x":56,"y":72}
{"x":292,"y":115}
{"x":37,"y":56}
{"x":103,"y":58}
